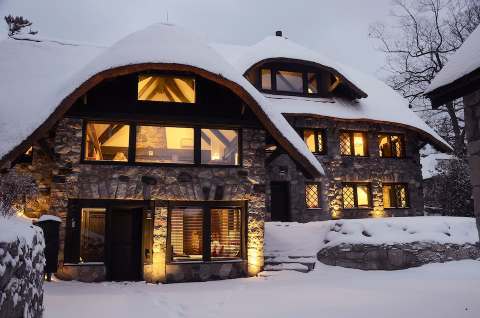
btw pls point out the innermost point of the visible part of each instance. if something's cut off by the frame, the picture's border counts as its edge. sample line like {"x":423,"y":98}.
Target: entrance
{"x":280,"y":201}
{"x":125,"y":243}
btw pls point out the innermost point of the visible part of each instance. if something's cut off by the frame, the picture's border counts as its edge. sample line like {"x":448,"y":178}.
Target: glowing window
{"x":314,"y":138}
{"x":219,"y":146}
{"x":106,"y":141}
{"x":225,"y":233}
{"x":353,"y":144}
{"x":289,"y":81}
{"x":356,"y":196}
{"x":166,"y":88}
{"x":186,"y":238}
{"x":312,"y":195}
{"x":92,"y":235}
{"x":164,"y":144}
{"x":390,"y":146}
{"x":266,"y":79}
{"x":395,"y":196}
{"x":312,"y":83}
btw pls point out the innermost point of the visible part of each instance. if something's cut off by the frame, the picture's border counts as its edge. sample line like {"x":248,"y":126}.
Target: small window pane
{"x":402,"y":196}
{"x":309,"y":137}
{"x":345,"y":145}
{"x":390,"y":146}
{"x":363,"y":196}
{"x":387,"y":196}
{"x":312,"y":83}
{"x":106,"y":142}
{"x":173,"y":89}
{"x":348,"y":197}
{"x":397,"y":146}
{"x":225,"y":234}
{"x":186,"y":226}
{"x":289,"y":81}
{"x":92,"y":235}
{"x":164,"y":144}
{"x":359,"y":144}
{"x":219,"y":146}
{"x":385,"y":146}
{"x":312,"y":193}
{"x":266,"y":78}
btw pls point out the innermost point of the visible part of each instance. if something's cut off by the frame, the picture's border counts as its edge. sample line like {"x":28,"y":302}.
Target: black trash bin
{"x":51,"y":229}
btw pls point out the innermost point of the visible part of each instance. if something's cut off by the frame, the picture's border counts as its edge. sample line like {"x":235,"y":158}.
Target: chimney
{"x":278,"y":33}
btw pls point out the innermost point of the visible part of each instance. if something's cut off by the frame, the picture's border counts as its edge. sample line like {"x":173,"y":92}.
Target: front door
{"x":280,"y":201}
{"x":125,"y":244}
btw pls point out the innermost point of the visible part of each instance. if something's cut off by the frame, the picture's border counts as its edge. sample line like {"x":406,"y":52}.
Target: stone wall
{"x":472,"y":126}
{"x":339,"y":169}
{"x":73,"y":180}
{"x":393,"y":257}
{"x":21,"y":277}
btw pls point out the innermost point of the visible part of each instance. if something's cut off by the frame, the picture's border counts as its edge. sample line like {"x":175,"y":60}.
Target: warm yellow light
{"x":359,"y":144}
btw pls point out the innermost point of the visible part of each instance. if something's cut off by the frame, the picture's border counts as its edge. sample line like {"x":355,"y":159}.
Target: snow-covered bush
{"x":14,"y":188}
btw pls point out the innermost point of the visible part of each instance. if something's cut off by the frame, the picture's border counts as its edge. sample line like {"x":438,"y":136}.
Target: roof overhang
{"x":461,"y":87}
{"x":99,"y":77}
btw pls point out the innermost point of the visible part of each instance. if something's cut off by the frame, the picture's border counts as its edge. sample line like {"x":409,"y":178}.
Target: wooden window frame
{"x":355,"y":195}
{"x":167,"y":74}
{"x":273,"y":79}
{"x":207,"y":206}
{"x":319,"y":195}
{"x":317,"y":132}
{"x":407,"y":193}
{"x":133,"y":139}
{"x":352,"y":145}
{"x":389,"y":135}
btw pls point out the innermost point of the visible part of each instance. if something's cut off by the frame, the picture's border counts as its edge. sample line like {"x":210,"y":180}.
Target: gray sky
{"x":337,"y":28}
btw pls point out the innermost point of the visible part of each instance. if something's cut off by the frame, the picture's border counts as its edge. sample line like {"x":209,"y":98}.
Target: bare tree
{"x":17,"y":24}
{"x":15,"y":187}
{"x":417,"y":47}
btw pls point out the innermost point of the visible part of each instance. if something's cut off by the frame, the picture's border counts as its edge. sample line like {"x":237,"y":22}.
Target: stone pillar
{"x":157,"y":274}
{"x":472,"y":126}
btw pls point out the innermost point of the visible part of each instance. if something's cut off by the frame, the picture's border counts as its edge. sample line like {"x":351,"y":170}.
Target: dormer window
{"x":166,"y":88}
{"x":291,"y":80}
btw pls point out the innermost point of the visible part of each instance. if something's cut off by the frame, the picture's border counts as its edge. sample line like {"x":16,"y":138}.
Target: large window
{"x":106,"y":141}
{"x":395,"y":196}
{"x":164,"y":144}
{"x":353,"y":144}
{"x":205,"y":233}
{"x":110,"y":142}
{"x":315,"y":140}
{"x":390,"y":146}
{"x":166,"y":88}
{"x":312,"y":195}
{"x":92,"y":235}
{"x":356,"y":195}
{"x":219,"y":146}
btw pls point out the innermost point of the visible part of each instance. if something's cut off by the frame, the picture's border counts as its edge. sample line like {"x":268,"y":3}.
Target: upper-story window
{"x":353,"y":144}
{"x":315,"y":140}
{"x":391,"y":146}
{"x":166,"y":88}
{"x":155,"y":144}
{"x":291,"y":81}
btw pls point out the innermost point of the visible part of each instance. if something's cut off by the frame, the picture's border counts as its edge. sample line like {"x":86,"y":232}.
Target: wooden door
{"x":125,"y":241}
{"x":280,"y":201}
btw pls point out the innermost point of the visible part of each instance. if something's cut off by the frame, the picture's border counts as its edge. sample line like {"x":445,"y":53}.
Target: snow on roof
{"x":382,"y":104}
{"x":42,"y":75}
{"x":465,"y":61}
{"x":429,"y":163}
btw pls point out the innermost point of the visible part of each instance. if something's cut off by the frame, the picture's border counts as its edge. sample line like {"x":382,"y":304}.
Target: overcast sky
{"x":338,"y":28}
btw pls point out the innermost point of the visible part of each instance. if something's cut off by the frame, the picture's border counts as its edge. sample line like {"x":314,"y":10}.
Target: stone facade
{"x":339,"y":169}
{"x":393,"y":257}
{"x":472,"y":126}
{"x":71,"y":179}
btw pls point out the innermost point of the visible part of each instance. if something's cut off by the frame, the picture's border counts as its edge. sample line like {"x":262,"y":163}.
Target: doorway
{"x":280,"y":201}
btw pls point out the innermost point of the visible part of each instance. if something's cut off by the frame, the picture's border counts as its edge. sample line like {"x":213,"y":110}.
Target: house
{"x":460,"y":78}
{"x":163,"y":154}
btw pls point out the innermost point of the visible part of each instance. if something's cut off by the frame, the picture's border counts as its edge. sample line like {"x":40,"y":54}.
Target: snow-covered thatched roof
{"x":42,"y":79}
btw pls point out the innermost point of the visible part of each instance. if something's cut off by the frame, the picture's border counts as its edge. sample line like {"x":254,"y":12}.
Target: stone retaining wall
{"x":21,"y":278}
{"x":393,"y":257}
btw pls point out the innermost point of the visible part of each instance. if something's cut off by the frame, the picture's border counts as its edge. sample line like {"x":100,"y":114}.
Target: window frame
{"x":207,"y":206}
{"x":389,"y":135}
{"x":351,"y":134}
{"x":407,"y":192}
{"x":355,"y":195}
{"x":304,"y":71}
{"x":317,"y":132}
{"x":133,"y":139}
{"x":319,"y":195}
{"x":167,"y":74}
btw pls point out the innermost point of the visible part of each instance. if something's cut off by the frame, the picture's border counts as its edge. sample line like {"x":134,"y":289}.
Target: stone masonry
{"x":372,"y":169}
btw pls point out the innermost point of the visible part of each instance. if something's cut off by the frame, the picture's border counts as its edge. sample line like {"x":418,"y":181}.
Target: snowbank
{"x":429,"y":163}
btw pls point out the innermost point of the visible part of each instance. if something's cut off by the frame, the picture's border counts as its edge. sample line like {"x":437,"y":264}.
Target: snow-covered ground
{"x":449,"y":290}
